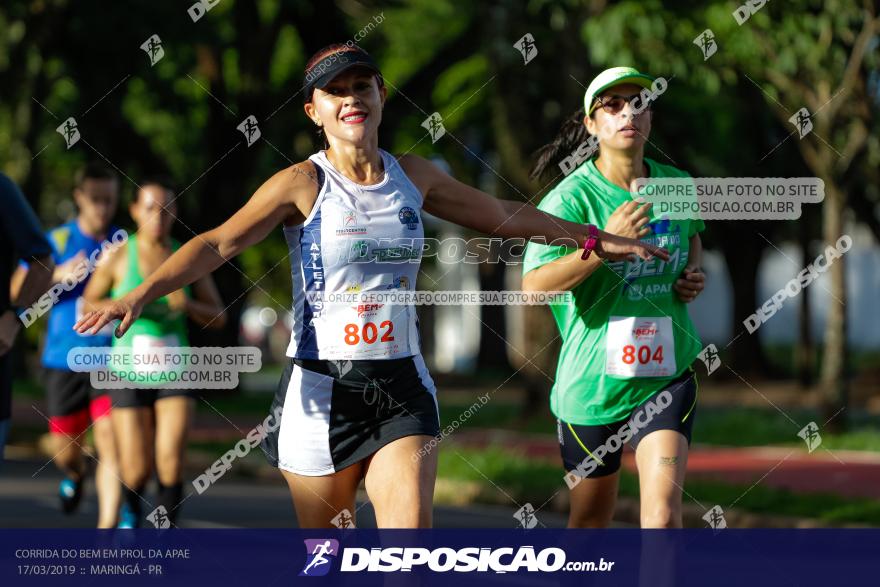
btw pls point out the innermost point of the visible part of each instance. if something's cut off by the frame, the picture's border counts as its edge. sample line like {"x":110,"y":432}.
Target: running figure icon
{"x":320,"y":552}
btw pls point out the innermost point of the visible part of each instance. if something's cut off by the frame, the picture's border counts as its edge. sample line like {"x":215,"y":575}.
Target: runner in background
{"x":624,"y":374}
{"x":74,"y":406}
{"x":20,"y":238}
{"x":151,"y":424}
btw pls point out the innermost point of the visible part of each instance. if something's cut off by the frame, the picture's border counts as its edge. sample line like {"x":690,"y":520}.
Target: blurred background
{"x":725,"y":114}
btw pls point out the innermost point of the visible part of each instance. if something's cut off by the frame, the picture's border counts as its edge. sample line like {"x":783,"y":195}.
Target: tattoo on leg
{"x":668,"y":460}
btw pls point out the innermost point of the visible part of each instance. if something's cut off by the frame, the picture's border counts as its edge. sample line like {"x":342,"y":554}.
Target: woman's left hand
{"x":618,"y":248}
{"x":690,"y":284}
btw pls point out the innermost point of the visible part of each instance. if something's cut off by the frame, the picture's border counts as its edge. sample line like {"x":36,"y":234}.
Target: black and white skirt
{"x":336,"y":413}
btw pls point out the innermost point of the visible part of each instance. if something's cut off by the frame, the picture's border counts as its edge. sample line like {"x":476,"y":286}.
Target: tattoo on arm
{"x":309,"y":174}
{"x":669,"y":461}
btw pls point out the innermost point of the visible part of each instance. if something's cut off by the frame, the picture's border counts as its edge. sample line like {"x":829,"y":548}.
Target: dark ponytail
{"x":571,"y":134}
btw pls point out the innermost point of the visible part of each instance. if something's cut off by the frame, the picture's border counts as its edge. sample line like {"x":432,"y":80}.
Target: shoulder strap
{"x":319,"y":171}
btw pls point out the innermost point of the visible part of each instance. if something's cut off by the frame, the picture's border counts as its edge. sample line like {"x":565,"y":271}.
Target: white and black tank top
{"x":357,"y":238}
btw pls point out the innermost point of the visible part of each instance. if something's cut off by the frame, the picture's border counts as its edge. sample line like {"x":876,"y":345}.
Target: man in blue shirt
{"x":72,"y":403}
{"x":20,"y":238}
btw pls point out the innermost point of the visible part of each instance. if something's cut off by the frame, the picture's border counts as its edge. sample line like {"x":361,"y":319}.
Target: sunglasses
{"x":614,"y":104}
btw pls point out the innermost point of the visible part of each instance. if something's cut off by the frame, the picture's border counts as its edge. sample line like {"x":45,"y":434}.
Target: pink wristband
{"x":591,"y":242}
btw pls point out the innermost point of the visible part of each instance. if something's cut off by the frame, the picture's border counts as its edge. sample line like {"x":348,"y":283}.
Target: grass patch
{"x":772,"y":501}
{"x":745,"y":426}
{"x":767,"y":427}
{"x":782,"y":357}
{"x":495,"y":415}
{"x":727,"y":426}
{"x":523,"y":479}
{"x":867,"y":439}
{"x":537,"y":480}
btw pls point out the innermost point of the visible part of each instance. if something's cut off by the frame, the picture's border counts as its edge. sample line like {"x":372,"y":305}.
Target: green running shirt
{"x":627,"y":335}
{"x":156,"y":327}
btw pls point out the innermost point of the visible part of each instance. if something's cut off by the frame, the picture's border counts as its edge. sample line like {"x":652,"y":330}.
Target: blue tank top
{"x":67,"y":240}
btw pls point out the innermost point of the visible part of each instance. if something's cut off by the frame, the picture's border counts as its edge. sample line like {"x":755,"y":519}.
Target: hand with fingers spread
{"x":690,"y":284}
{"x":124,"y":309}
{"x":619,"y":248}
{"x":630,"y":220}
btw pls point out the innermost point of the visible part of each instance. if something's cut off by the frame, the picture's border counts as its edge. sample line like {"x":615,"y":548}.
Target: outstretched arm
{"x":285,"y":197}
{"x":448,"y":198}
{"x":629,"y":220}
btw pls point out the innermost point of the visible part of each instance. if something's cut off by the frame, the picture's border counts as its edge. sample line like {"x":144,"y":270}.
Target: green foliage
{"x":406,"y":29}
{"x":459,"y":83}
{"x":289,"y":59}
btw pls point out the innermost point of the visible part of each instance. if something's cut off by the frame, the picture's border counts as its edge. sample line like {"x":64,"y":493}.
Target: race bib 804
{"x":640,"y":346}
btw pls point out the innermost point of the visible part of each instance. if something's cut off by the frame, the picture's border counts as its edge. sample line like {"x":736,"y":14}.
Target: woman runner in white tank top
{"x":355,"y":401}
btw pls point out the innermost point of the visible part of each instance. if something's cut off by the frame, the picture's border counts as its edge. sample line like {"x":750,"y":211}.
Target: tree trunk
{"x":804,"y":348}
{"x":833,"y":384}
{"x":493,"y":334}
{"x":743,"y":256}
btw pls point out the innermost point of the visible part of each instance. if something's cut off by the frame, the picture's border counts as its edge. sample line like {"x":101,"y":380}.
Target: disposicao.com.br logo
{"x":320,"y":554}
{"x":441,"y":560}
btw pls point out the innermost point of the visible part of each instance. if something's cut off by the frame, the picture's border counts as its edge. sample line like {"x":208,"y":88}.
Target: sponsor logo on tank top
{"x":408,"y":217}
{"x":366,"y":309}
{"x":349,"y":224}
{"x":362,"y":252}
{"x":400,"y":282}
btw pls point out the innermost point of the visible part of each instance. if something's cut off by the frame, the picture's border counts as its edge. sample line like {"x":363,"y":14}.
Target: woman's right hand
{"x":125,"y":309}
{"x":630,"y":220}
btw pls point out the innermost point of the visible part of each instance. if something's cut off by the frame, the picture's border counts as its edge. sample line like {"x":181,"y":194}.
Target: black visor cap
{"x":323,"y":72}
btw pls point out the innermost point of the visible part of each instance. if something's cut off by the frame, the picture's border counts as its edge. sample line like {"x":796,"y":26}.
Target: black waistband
{"x":357,"y":370}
